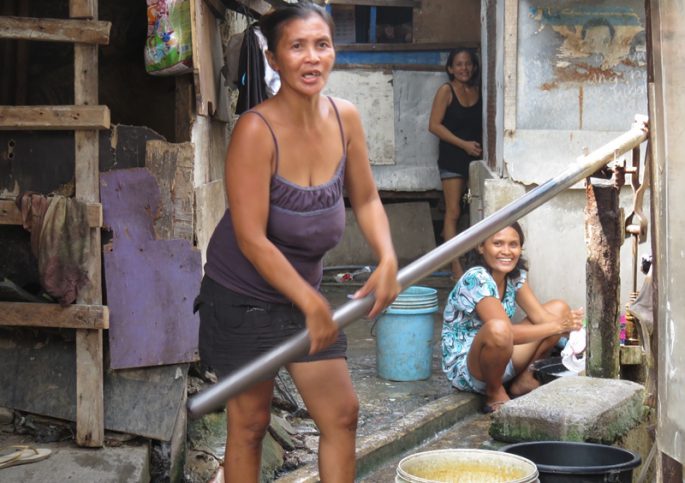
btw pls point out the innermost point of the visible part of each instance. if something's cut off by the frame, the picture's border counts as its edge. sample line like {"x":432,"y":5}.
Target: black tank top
{"x":466,"y":123}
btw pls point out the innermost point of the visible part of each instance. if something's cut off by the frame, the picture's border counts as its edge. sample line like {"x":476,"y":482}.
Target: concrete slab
{"x":67,"y":462}
{"x":572,"y":409}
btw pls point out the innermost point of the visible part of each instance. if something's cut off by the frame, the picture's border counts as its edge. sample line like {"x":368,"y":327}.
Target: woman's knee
{"x":348,"y":415}
{"x":344,"y":416}
{"x":557,"y":307}
{"x":498,"y":333}
{"x":249,"y":428}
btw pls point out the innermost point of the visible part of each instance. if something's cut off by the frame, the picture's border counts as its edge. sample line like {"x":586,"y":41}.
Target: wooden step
{"x":10,"y":214}
{"x":53,"y":118}
{"x":55,"y":30}
{"x":76,"y":316}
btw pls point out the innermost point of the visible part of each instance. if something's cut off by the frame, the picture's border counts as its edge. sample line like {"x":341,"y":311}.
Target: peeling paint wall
{"x":581,"y":78}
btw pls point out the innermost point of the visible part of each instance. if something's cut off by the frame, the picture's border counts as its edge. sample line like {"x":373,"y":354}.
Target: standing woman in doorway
{"x":456,"y":119}
{"x":286,"y":165}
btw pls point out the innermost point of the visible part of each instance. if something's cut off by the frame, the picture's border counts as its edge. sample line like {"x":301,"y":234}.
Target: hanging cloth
{"x":252,"y":87}
{"x":60,"y":240}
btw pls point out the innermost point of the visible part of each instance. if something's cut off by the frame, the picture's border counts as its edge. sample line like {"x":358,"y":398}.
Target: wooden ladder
{"x":88,"y":316}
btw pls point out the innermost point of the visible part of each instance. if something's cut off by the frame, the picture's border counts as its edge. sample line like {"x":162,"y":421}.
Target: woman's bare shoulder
{"x":252,"y":122}
{"x":345,"y":107}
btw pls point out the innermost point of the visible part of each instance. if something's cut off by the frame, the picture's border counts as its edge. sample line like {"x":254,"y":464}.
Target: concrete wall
{"x":667,"y":124}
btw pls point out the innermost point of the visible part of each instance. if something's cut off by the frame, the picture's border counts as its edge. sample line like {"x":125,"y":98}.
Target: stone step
{"x":572,"y":409}
{"x":128,"y":463}
{"x":417,"y":427}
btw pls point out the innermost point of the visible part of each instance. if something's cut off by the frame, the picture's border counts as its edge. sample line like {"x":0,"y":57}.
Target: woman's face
{"x":502,"y":250}
{"x":304,"y":54}
{"x":462,"y":67}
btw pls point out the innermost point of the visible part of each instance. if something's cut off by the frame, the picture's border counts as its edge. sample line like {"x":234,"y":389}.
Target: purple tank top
{"x":304,"y":223}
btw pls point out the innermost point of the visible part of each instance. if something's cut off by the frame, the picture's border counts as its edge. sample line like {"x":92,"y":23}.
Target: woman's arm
{"x":442,"y":99}
{"x":369,"y":211}
{"x":543,"y":323}
{"x":249,"y":165}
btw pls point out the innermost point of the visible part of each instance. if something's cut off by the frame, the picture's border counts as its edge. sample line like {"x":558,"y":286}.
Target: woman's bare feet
{"x":523,"y":384}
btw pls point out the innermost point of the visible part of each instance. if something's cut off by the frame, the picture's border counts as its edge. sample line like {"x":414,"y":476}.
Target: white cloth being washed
{"x":573,"y":355}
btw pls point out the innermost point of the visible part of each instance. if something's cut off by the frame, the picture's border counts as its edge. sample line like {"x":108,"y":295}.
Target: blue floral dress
{"x":461,"y":322}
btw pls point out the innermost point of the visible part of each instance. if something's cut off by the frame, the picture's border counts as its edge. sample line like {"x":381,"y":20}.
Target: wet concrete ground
{"x":387,"y":405}
{"x":383,"y":402}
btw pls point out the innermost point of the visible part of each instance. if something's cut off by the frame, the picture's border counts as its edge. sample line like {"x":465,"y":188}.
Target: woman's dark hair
{"x":272,"y":23}
{"x":474,"y":258}
{"x":474,"y":60}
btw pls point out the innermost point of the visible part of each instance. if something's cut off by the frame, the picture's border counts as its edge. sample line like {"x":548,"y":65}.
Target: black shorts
{"x":236,"y":329}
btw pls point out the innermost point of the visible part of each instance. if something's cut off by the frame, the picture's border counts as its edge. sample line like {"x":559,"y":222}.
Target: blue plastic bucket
{"x":404,"y":336}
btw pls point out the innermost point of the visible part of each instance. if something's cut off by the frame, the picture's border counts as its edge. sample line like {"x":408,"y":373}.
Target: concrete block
{"x":478,"y":173}
{"x":497,"y":193}
{"x":412,"y":233}
{"x":572,"y":409}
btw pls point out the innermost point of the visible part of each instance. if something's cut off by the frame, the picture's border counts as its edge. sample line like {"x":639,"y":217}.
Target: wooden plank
{"x":172,"y":166}
{"x":210,"y":96}
{"x":10,"y":214}
{"x":40,"y":375}
{"x":90,"y":407}
{"x":83,"y":9}
{"x":603,"y":237}
{"x":510,"y":63}
{"x":90,"y":398}
{"x":184,"y":112}
{"x":388,"y":68}
{"x":57,"y":118}
{"x":446,"y":46}
{"x":259,"y":6}
{"x":75,"y":316}
{"x":277,"y":3}
{"x":217,"y":7}
{"x":210,"y":206}
{"x":203,"y":29}
{"x":379,"y":3}
{"x":55,"y":30}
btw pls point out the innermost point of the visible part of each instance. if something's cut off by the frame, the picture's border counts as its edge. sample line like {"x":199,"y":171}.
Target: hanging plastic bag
{"x":168,"y":48}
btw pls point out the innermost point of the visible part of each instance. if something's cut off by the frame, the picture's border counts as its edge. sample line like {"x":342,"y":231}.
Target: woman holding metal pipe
{"x":456,"y":119}
{"x":286,"y":166}
{"x":482,"y":350}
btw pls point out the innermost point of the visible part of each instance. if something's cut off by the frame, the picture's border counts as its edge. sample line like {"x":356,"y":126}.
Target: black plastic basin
{"x":546,"y":370}
{"x":570,"y":462}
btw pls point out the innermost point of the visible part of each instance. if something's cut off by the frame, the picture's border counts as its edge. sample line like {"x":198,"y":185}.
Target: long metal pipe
{"x":215,"y":397}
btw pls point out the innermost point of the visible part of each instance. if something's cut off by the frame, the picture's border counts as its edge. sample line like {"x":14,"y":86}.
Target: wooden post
{"x":603,"y":237}
{"x":90,"y":412}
